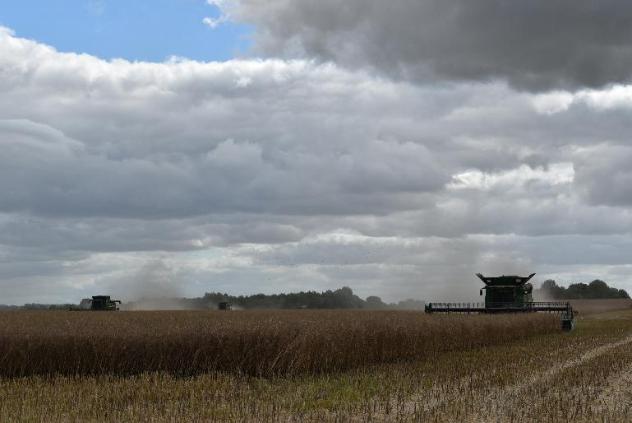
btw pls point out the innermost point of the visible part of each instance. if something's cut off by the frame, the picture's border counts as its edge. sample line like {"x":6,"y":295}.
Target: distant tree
{"x":577,"y":291}
{"x":596,"y":289}
{"x":344,"y":298}
{"x":340,"y":298}
{"x":549,"y":285}
{"x":410,"y":304}
{"x":551,"y":290}
{"x":8,"y":307}
{"x":374,"y":302}
{"x":599,"y":289}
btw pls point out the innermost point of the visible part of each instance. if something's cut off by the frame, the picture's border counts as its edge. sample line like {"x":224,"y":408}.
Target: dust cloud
{"x":155,"y":286}
{"x":454,"y":280}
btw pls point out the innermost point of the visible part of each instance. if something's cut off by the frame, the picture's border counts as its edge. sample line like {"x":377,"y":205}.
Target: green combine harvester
{"x":508,"y":294}
{"x":104,"y":303}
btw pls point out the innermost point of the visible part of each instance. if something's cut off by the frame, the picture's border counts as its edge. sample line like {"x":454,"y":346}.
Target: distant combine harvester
{"x":100,"y":303}
{"x":225,"y":306}
{"x":508,"y":294}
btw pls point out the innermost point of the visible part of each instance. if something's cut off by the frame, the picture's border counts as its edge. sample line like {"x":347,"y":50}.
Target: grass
{"x":581,"y":376}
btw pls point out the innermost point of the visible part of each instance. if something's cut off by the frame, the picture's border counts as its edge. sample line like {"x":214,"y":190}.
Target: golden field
{"x":584,"y":307}
{"x":257,"y":343}
{"x":503,"y":372}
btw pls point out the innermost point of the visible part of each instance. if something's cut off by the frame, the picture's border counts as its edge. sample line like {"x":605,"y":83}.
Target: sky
{"x":133,"y":30}
{"x":243,"y":146}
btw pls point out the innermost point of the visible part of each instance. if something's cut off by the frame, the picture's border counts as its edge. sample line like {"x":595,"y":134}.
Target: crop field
{"x":313,"y":366}
{"x":585,"y":307}
{"x":257,"y":343}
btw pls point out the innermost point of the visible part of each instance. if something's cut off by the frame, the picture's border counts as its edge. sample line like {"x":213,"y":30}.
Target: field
{"x":255,"y":343}
{"x":313,"y":366}
{"x":585,"y":307}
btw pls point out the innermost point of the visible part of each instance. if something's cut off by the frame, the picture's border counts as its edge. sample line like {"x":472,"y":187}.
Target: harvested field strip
{"x":582,"y":393}
{"x":506,"y":400}
{"x":617,"y":393}
{"x":266,"y":343}
{"x":495,"y":383}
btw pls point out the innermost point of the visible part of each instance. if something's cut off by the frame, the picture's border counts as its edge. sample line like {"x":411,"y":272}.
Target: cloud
{"x":184,"y":138}
{"x":6,"y":31}
{"x":604,"y":177}
{"x":535,"y":45}
{"x":215,"y":22}
{"x":224,"y":16}
{"x":273,"y":175}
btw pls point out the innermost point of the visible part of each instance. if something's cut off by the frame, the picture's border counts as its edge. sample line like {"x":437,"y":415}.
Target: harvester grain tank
{"x":508,"y":294}
{"x":103,"y":303}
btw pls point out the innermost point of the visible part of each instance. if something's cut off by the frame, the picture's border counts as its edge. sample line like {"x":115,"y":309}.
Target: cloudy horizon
{"x":396,"y":150}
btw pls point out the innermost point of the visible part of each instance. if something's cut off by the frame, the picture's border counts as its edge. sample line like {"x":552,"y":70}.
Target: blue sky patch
{"x":134,"y":30}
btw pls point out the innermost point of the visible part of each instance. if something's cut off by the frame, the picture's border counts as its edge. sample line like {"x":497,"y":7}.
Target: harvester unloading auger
{"x":508,"y":294}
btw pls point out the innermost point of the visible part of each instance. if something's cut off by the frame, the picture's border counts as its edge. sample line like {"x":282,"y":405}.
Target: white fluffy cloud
{"x":271,"y":175}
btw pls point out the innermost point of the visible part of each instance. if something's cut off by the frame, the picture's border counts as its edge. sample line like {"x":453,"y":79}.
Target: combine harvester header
{"x":508,"y":294}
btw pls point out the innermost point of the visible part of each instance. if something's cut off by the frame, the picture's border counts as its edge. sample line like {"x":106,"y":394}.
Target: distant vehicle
{"x":225,"y":306}
{"x":508,"y":294}
{"x":103,"y":303}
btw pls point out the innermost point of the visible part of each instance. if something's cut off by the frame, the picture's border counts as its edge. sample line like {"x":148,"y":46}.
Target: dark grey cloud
{"x":535,"y":45}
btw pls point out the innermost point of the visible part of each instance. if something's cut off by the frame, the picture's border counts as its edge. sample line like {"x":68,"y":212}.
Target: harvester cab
{"x":508,"y":294}
{"x":103,"y":303}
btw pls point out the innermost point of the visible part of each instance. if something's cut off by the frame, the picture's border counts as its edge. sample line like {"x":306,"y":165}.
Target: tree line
{"x":342,"y":298}
{"x":596,"y":289}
